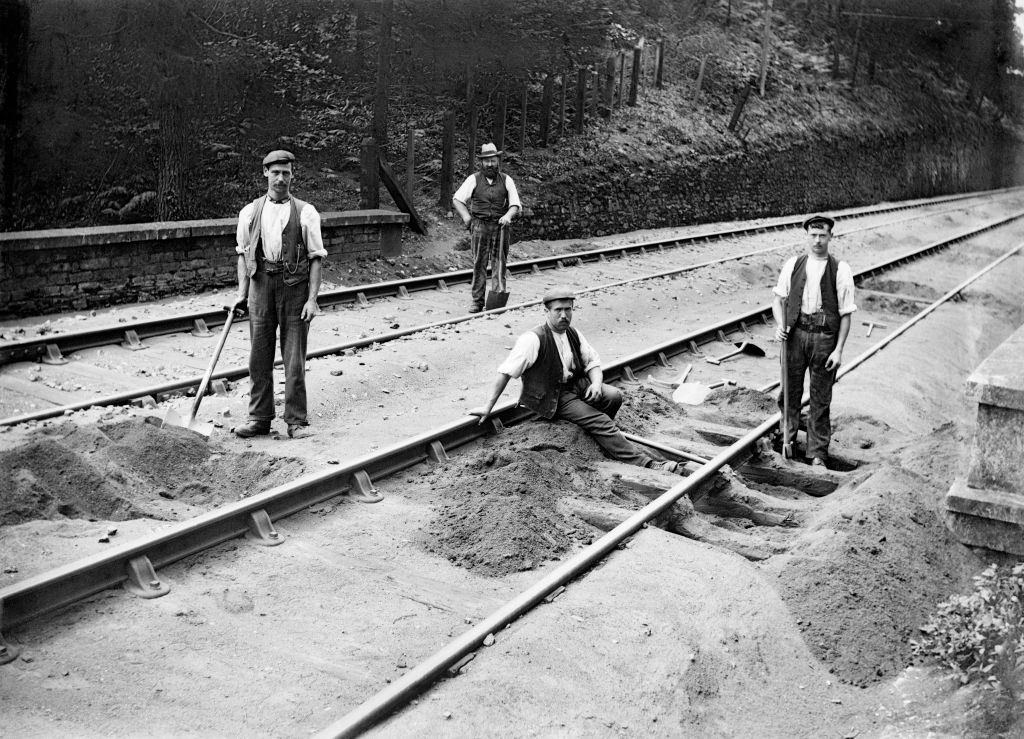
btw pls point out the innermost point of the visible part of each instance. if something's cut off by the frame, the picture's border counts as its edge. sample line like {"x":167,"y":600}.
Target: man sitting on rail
{"x":562,"y":378}
{"x":812,"y":306}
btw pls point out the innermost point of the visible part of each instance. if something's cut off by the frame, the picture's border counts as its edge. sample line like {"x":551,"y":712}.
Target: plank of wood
{"x":402,"y":200}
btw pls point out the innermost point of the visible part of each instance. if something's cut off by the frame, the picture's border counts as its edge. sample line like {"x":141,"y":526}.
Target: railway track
{"x":67,"y":392}
{"x":136,"y":565}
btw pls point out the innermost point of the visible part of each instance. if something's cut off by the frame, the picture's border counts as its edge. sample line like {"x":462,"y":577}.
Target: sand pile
{"x":738,"y":406}
{"x":119,"y":471}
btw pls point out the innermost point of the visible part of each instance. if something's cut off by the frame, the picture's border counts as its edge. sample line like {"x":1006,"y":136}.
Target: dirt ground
{"x":668,"y":637}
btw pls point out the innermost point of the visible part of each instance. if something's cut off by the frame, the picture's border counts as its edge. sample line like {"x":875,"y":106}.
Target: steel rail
{"x":420,"y":677}
{"x":230,"y":373}
{"x":55,"y":346}
{"x":49,"y":591}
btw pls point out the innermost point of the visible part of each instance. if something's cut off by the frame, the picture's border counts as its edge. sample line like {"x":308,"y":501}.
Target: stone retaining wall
{"x":794,"y":175}
{"x":80,"y":268}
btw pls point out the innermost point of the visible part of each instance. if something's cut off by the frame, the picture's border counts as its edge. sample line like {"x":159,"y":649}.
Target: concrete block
{"x":997,"y":505}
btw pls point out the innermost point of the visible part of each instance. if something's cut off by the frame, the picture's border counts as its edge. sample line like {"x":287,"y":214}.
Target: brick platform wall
{"x":80,"y":268}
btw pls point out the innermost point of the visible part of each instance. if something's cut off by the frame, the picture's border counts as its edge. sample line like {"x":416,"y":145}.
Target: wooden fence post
{"x":740,"y":102}
{"x":522,"y":122}
{"x":595,"y":91}
{"x":634,"y":78}
{"x":447,"y":154}
{"x":581,"y":91}
{"x":609,"y":85}
{"x":561,"y":106}
{"x":622,"y":79}
{"x":700,"y":77}
{"x":369,"y":177}
{"x":499,"y":119}
{"x":659,"y":77}
{"x":765,"y":44}
{"x":380,"y":101}
{"x":471,"y":138}
{"x":410,"y":162}
{"x":545,"y":110}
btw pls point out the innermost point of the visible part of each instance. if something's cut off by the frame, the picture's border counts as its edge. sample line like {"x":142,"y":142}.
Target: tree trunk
{"x":447,"y":154}
{"x":634,"y":82}
{"x":380,"y":101}
{"x":765,"y":44}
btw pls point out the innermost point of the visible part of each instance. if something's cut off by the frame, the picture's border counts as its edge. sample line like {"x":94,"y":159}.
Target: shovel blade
{"x":495,"y":300}
{"x":691,"y":393}
{"x":173,"y":418}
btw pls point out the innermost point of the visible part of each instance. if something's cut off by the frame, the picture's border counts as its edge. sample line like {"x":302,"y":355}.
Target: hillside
{"x":137,"y":111}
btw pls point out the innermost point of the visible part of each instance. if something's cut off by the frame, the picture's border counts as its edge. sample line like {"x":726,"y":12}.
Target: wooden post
{"x":380,"y":102}
{"x":595,"y":92}
{"x":522,"y":122}
{"x":609,"y":85}
{"x":634,"y":80}
{"x":741,"y":101}
{"x":856,"y":46}
{"x":700,"y":77}
{"x":581,"y":91}
{"x":766,"y":40}
{"x":471,"y":138}
{"x":622,"y":79}
{"x":447,"y":155}
{"x":561,"y":107}
{"x":659,"y":76}
{"x":545,"y":109}
{"x":499,"y":118}
{"x":369,"y":178}
{"x":410,"y":162}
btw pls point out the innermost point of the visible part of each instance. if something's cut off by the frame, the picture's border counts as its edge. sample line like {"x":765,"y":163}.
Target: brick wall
{"x":80,"y":268}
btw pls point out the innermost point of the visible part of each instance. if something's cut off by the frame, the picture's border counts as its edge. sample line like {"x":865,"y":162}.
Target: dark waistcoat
{"x":829,"y":294}
{"x":542,"y":380}
{"x":293,"y":250}
{"x":489,"y":202}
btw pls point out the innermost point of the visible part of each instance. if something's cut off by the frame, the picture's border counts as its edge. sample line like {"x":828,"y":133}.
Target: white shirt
{"x":465,"y":191}
{"x":274,"y":219}
{"x":811,"y":299}
{"x":527,"y":347}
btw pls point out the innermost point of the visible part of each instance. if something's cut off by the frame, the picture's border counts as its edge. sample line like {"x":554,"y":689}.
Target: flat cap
{"x":278,"y":155}
{"x":819,"y":219}
{"x":560,"y":292}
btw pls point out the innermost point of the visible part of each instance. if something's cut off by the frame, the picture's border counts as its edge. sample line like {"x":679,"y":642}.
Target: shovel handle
{"x":209,"y":370}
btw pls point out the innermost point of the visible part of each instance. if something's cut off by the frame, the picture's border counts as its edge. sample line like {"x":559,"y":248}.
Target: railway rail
{"x":51,"y":349}
{"x":136,"y":564}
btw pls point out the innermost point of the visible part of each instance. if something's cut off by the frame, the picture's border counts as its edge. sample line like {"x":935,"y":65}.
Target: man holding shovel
{"x":487,"y":202}
{"x":812,"y":306}
{"x":562,"y":379}
{"x":279,"y":252}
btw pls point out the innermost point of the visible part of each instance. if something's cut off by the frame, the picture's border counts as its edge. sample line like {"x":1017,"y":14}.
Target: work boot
{"x":297,"y":431}
{"x":674,"y":467}
{"x":818,"y":462}
{"x":254,"y":427}
{"x":474,"y":308}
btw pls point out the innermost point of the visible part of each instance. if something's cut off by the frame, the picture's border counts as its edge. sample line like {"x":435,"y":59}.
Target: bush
{"x":981,"y":636}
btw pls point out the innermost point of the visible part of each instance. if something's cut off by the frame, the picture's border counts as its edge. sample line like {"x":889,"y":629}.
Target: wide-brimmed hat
{"x":819,"y":219}
{"x":278,"y":155}
{"x":560,"y":292}
{"x":489,"y":150}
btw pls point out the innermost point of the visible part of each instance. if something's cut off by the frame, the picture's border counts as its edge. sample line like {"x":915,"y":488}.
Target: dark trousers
{"x":596,"y":420}
{"x":808,"y":352}
{"x":488,"y":248}
{"x":275,"y":306}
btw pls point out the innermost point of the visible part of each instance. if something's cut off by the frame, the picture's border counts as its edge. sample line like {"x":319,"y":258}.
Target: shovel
{"x":651,"y":379}
{"x":787,"y":445}
{"x":173,"y":418}
{"x":744,"y":347}
{"x":693,"y":393}
{"x":495,"y":300}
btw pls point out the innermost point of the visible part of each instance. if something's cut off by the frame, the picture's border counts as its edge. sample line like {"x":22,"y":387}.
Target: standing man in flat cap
{"x":812,"y":306}
{"x":562,"y":378}
{"x":487,"y":202}
{"x":280,"y":249}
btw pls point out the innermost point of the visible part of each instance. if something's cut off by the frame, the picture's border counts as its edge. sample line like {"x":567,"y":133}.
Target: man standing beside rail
{"x":562,"y":379}
{"x":812,"y":306}
{"x":487,"y":202}
{"x":280,"y":249}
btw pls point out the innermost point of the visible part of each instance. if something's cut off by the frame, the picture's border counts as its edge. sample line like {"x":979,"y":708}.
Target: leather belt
{"x":272,"y":267}
{"x":814,"y":323}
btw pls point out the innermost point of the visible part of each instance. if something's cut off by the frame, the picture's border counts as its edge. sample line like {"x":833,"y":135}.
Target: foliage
{"x":980,"y":636}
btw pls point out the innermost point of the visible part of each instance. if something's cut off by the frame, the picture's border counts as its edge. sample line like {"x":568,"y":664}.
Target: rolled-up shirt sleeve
{"x":785,"y":278}
{"x":465,"y":191}
{"x":844,"y":289}
{"x":513,"y":193}
{"x":242,"y":231}
{"x":588,"y":354}
{"x":522,"y":356}
{"x":311,"y":235}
